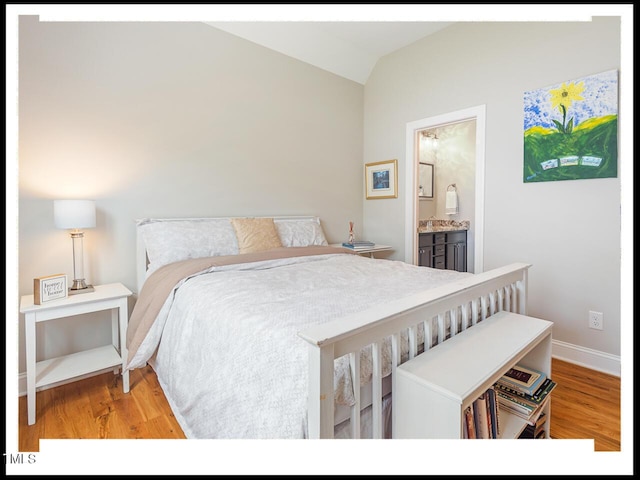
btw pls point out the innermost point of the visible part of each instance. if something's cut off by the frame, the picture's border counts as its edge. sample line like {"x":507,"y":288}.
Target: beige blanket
{"x":161,"y":283}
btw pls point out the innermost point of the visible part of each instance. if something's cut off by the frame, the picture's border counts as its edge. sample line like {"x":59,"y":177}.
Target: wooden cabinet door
{"x":457,"y":256}
{"x":425,"y":256}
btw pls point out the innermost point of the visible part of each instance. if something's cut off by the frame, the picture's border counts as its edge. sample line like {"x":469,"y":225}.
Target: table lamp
{"x":75,"y":215}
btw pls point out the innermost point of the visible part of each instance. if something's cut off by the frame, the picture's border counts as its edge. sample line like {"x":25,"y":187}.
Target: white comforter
{"x":229,"y":357}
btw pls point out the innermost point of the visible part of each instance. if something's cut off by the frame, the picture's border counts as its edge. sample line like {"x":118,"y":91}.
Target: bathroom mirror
{"x":425,"y":180}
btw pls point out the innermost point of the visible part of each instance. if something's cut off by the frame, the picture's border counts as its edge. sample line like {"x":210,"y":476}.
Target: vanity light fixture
{"x":431,"y":139}
{"x":430,"y":134}
{"x":75,"y":215}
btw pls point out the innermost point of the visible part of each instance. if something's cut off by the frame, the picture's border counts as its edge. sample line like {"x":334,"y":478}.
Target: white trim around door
{"x":478,"y":114}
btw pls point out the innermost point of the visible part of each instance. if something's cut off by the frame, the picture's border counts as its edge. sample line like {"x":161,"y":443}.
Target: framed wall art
{"x":381,"y":179}
{"x":571,"y":130}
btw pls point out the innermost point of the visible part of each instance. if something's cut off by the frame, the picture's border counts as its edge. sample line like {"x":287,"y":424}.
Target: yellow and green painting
{"x":571,"y":130}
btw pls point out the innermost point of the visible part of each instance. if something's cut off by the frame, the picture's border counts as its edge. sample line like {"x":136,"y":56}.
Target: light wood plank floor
{"x":585,"y":404}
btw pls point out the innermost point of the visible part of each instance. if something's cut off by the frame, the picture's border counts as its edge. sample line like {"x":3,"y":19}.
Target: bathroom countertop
{"x":440,"y":229}
{"x":435,"y":225}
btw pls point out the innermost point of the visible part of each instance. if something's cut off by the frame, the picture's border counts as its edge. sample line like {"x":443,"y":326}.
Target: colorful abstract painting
{"x":571,"y":130}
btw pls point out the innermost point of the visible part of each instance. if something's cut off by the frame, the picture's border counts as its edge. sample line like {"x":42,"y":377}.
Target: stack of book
{"x":524,"y":392}
{"x":359,"y":244}
{"x":537,"y":430}
{"x":482,"y":417}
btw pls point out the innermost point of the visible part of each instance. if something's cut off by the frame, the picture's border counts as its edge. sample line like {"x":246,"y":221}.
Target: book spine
{"x":530,"y":399}
{"x":539,"y":429}
{"x":515,"y":404}
{"x":536,"y":397}
{"x":528,"y":432}
{"x":507,"y":408}
{"x":493,"y":412}
{"x":522,"y":389}
{"x":480,"y":414}
{"x":531,"y":418}
{"x":471,"y":427}
{"x":359,"y":243}
{"x":517,"y":398}
{"x":542,"y":388}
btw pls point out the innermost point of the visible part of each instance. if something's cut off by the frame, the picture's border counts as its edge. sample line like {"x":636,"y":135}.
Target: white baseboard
{"x":586,"y":357}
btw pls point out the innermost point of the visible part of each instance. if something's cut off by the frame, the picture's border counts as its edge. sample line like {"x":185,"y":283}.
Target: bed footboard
{"x":442,"y":312}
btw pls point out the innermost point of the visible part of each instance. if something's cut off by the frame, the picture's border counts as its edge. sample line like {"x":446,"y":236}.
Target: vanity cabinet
{"x":444,"y":250}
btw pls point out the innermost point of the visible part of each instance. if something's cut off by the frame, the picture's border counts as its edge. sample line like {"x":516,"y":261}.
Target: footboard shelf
{"x":402,"y":330}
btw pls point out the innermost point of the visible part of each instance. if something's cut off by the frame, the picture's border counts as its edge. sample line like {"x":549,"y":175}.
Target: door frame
{"x":478,"y":114}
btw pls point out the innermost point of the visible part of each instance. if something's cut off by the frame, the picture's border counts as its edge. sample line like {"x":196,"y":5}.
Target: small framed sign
{"x":49,"y":288}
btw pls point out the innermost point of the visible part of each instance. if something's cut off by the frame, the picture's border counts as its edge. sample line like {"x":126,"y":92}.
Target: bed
{"x":257,"y":328}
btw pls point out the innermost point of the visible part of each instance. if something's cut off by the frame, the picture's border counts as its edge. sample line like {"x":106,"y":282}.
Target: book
{"x":536,"y":430}
{"x":523,"y":379}
{"x":358,"y":244}
{"x":481,"y":417}
{"x":530,"y":416}
{"x":514,"y":404}
{"x":541,"y":420}
{"x":470,"y":429}
{"x":539,"y":430}
{"x":527,"y":433}
{"x":493,"y":413}
{"x":535,"y":397}
{"x":545,"y":389}
{"x":518,"y":400}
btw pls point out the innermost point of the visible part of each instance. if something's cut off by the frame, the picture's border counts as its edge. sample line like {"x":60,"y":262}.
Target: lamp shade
{"x":70,"y":214}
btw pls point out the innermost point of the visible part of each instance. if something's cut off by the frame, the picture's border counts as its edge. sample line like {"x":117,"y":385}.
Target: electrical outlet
{"x":596,"y":320}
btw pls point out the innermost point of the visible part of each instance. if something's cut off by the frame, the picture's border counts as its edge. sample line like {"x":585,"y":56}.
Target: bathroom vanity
{"x":445,"y":249}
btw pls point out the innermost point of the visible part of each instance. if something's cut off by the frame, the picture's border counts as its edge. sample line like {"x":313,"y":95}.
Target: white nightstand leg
{"x":115,"y":335}
{"x":30,"y":335}
{"x":123,"y":315}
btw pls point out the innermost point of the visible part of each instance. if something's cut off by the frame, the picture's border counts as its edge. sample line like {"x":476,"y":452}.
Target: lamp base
{"x":87,"y":289}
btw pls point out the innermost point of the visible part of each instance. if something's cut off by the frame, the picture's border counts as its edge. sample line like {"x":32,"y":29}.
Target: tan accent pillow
{"x":256,"y":234}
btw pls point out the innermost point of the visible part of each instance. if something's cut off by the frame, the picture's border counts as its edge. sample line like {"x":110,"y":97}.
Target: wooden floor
{"x":585,"y":404}
{"x":96,"y":407}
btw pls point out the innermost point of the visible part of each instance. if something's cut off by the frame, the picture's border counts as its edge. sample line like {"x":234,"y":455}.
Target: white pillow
{"x":298,"y":232}
{"x":172,"y":240}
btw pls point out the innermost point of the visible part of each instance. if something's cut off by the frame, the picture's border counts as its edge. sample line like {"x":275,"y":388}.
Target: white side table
{"x":365,"y":250}
{"x":105,"y":297}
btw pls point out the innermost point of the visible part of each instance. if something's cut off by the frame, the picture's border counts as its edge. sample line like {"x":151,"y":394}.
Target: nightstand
{"x":105,"y":297}
{"x":365,"y":250}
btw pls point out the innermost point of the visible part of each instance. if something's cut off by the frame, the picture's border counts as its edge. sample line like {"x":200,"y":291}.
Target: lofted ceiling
{"x":347,"y":48}
{"x":346,"y":40}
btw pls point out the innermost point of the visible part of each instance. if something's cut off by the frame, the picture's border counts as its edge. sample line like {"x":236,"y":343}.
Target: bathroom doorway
{"x":422,"y":134}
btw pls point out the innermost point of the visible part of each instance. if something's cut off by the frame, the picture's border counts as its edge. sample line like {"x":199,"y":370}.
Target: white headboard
{"x":142,"y":261}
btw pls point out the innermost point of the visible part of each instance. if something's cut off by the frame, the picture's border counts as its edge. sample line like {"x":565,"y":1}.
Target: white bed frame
{"x":446,"y":310}
{"x":453,"y":307}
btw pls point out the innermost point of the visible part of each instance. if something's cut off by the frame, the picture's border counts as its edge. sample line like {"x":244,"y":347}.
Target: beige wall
{"x":181,"y":119}
{"x":569,"y":231}
{"x":170,"y":120}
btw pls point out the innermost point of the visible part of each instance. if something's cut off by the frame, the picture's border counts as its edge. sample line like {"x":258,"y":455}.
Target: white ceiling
{"x":349,"y":49}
